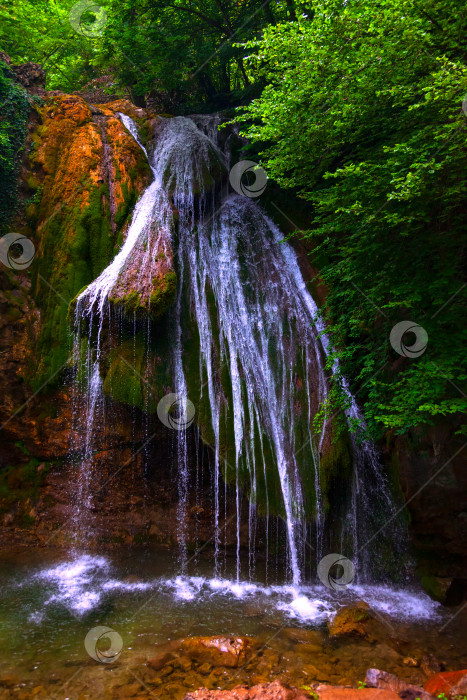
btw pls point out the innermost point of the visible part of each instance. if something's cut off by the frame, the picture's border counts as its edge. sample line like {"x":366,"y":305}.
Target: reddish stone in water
{"x":449,"y":682}
{"x":278,"y":691}
{"x":159,"y":661}
{"x":217,"y":651}
{"x":263,"y":691}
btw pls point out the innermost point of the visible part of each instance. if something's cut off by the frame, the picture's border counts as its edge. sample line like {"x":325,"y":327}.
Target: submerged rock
{"x":217,"y":651}
{"x":159,"y":661}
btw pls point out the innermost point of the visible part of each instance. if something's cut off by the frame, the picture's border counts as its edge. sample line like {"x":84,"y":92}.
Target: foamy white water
{"x":82,"y":584}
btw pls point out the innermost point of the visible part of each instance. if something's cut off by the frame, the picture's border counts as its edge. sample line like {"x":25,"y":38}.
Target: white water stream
{"x":263,"y":329}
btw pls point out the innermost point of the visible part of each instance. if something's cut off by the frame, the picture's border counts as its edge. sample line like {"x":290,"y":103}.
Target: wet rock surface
{"x":451,"y":683}
{"x":332,"y":692}
{"x":264,"y":691}
{"x":351,"y":621}
{"x":217,"y":651}
{"x":389,"y":681}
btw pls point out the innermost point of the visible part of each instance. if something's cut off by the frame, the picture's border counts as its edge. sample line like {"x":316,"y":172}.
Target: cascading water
{"x":259,"y":369}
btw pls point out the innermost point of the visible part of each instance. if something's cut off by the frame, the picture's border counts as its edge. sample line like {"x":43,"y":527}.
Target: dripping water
{"x":264,"y":332}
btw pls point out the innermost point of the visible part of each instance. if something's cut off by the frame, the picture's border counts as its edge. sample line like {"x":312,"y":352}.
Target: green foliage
{"x":362,"y":115}
{"x":40,"y":31}
{"x":169,"y":49}
{"x":197,"y":41}
{"x":14,"y":112}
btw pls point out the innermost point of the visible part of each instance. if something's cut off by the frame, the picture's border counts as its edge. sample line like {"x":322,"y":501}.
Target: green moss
{"x":20,"y":483}
{"x":435,"y":587}
{"x":136,"y":376}
{"x":77,"y":243}
{"x":13,"y":129}
{"x":161,"y":299}
{"x":163,"y":296}
{"x":335,"y":467}
{"x":123,"y":379}
{"x":125,"y":208}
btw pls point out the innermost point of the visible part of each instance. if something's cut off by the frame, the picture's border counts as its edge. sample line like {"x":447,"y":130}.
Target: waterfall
{"x":260,"y":357}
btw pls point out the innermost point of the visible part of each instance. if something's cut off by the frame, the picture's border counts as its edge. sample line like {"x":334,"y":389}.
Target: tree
{"x":363,"y":115}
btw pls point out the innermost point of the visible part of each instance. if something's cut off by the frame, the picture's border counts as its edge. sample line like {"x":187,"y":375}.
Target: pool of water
{"x":51,"y":600}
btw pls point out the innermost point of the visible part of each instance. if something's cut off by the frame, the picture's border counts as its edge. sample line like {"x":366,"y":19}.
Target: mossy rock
{"x":335,"y":467}
{"x":436,"y":587}
{"x":76,"y":238}
{"x":135,"y":304}
{"x":136,"y":375}
{"x":349,"y":621}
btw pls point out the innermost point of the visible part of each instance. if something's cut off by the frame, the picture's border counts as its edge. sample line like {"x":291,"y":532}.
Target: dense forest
{"x":359,"y":108}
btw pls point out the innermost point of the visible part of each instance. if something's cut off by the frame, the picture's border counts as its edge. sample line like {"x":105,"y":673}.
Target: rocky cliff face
{"x":430,"y":467}
{"x":81,"y":176}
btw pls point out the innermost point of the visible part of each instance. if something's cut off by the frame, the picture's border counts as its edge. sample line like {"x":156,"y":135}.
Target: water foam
{"x":81,"y":584}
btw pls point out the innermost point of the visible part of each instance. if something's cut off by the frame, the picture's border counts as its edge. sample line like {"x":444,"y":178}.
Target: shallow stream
{"x":51,"y":600}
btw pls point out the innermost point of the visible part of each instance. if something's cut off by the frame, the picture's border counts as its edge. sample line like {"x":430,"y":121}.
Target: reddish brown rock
{"x":430,"y":665}
{"x":31,"y":76}
{"x":450,"y":683}
{"x":159,"y":661}
{"x":335,"y":692}
{"x":264,"y":691}
{"x":217,"y":651}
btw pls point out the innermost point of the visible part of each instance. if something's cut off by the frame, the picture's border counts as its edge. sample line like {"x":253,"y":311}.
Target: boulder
{"x":388,"y":681}
{"x":450,"y":683}
{"x":349,"y":621}
{"x":217,"y":651}
{"x":263,"y":691}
